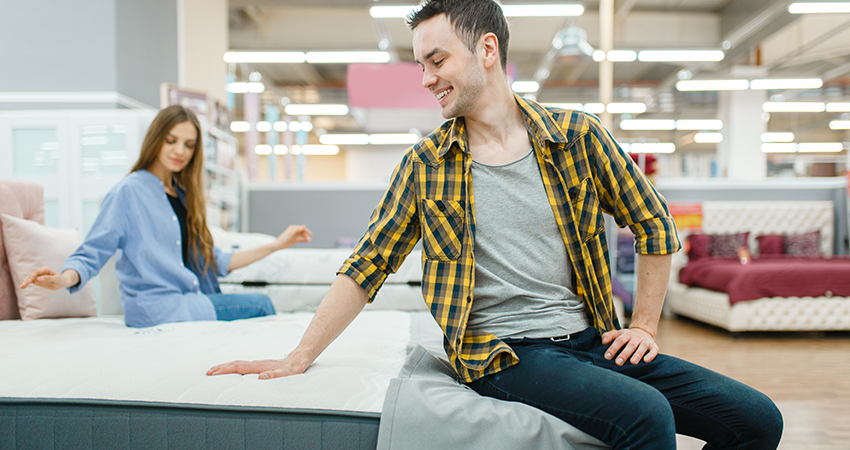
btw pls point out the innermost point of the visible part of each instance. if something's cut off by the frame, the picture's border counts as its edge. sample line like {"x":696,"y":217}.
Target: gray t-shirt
{"x":523,"y":285}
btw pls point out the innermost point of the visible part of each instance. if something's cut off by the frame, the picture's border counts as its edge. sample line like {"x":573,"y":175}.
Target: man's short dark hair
{"x":471,"y":19}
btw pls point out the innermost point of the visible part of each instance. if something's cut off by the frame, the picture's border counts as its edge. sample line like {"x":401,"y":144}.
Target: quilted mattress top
{"x":101,"y":358}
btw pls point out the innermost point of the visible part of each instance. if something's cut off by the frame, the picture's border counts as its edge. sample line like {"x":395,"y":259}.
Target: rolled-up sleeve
{"x":104,"y":238}
{"x":222,"y":260}
{"x":392,"y":232}
{"x":626,"y":194}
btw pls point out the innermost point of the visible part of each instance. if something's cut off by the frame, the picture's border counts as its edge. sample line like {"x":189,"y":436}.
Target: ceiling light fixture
{"x":393,"y":138}
{"x":525,"y":86}
{"x":712,"y":85}
{"x":598,"y":55}
{"x":706,"y":124}
{"x":280,"y":126}
{"x":650,"y":147}
{"x":626,"y":108}
{"x":777,"y":137}
{"x":264,"y":57}
{"x":779,"y":147}
{"x":280,"y":149}
{"x":801,"y":83}
{"x":344,"y":139}
{"x":680,"y":55}
{"x":839,"y":125}
{"x":594,"y":108}
{"x":316,"y":110}
{"x":264,"y":126}
{"x":819,"y":7}
{"x":348,"y":57}
{"x":837,"y":107}
{"x":794,"y":107}
{"x":647,"y":124}
{"x":263,"y":149}
{"x":622,"y":55}
{"x":820,"y":147}
{"x":240,"y":126}
{"x":315,"y":149}
{"x":708,"y":138}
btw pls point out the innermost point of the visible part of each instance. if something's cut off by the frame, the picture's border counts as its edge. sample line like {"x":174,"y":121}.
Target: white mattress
{"x":100,"y":358}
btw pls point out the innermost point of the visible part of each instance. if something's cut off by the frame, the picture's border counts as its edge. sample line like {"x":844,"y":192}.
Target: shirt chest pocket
{"x":588,"y":213}
{"x":442,"y":229}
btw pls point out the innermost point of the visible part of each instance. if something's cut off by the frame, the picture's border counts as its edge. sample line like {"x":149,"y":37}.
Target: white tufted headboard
{"x":760,"y":218}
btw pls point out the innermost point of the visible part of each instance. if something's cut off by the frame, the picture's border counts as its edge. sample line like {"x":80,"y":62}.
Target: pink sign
{"x":397,"y":85}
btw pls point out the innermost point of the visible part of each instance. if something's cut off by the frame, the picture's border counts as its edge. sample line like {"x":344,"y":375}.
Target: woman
{"x":167,"y":266}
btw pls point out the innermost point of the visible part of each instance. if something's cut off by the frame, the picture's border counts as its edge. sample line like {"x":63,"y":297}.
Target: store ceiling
{"x":755,"y":32}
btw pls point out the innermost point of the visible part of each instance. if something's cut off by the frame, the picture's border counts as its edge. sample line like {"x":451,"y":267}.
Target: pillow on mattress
{"x":8,"y":302}
{"x":698,"y":247}
{"x":771,"y":244}
{"x":726,"y":245}
{"x":29,"y":246}
{"x":806,"y":244}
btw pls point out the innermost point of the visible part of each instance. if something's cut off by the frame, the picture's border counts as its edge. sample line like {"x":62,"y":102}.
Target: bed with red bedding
{"x":770,"y":292}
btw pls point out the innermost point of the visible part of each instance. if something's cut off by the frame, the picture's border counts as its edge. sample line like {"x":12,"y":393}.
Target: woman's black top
{"x":180,"y":211}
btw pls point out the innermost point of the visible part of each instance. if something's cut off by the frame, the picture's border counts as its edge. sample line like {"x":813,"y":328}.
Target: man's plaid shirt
{"x":431,"y":197}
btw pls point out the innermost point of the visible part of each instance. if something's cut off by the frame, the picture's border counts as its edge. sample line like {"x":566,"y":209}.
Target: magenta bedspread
{"x":776,"y":276}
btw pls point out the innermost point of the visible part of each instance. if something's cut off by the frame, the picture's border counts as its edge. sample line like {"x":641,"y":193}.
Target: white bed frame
{"x":764,"y":314}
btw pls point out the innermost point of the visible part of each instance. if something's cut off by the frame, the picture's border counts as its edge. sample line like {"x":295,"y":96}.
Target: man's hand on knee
{"x":631,"y":345}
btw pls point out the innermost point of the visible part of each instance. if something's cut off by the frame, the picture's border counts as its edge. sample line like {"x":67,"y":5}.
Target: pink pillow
{"x":30,"y":245}
{"x":8,"y":300}
{"x":807,"y":244}
{"x":771,"y":244}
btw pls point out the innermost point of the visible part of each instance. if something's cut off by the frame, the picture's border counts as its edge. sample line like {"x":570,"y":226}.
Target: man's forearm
{"x":343,"y":302}
{"x":653,"y":273}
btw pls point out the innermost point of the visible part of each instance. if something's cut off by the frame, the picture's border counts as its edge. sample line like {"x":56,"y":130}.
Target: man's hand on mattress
{"x":45,"y":277}
{"x":292,"y":235}
{"x":632,"y":344}
{"x":266,"y":368}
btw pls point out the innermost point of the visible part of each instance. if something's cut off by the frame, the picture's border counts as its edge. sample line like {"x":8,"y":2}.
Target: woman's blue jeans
{"x":631,"y":406}
{"x":241,"y":306}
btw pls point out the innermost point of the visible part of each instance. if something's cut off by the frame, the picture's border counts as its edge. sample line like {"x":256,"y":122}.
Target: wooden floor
{"x":806,"y":374}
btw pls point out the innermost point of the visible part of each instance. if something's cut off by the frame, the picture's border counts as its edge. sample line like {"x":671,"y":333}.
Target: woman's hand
{"x":267,"y":368}
{"x":47,"y":278}
{"x":292,"y":235}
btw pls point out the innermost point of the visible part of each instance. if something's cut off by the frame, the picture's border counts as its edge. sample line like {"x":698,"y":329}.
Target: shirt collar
{"x":539,"y":121}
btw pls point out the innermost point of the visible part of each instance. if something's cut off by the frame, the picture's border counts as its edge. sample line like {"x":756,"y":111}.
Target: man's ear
{"x":490,"y":49}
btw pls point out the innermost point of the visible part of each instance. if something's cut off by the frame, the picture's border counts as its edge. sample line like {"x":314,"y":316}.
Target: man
{"x":507,"y":198}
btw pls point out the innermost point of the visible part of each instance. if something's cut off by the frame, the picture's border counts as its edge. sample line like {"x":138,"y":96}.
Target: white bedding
{"x":100,"y":358}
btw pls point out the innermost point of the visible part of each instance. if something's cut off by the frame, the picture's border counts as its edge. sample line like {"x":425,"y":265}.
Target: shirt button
{"x":196,"y":282}
{"x":174,"y":218}
{"x":178,"y":242}
{"x":468,"y":299}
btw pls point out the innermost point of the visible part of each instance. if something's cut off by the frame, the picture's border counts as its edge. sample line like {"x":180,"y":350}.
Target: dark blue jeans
{"x":241,"y":306}
{"x":638,"y":406}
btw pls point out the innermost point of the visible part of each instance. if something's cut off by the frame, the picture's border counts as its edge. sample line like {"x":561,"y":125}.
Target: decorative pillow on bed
{"x":8,"y":303}
{"x":698,"y":246}
{"x":807,"y":244}
{"x":726,"y":245}
{"x":30,"y":245}
{"x":771,"y":244}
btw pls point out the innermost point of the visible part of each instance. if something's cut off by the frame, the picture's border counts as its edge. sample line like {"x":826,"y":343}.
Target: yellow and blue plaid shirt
{"x":430,"y":197}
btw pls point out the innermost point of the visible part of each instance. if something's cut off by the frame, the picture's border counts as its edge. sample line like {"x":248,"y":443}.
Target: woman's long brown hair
{"x":189,"y":179}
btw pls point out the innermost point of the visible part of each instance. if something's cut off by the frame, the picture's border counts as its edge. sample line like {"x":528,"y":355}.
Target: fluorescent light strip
{"x":647,"y":124}
{"x":240,"y":126}
{"x":594,"y":108}
{"x":838,"y":107}
{"x":819,"y":7}
{"x":347,"y":57}
{"x":779,"y":148}
{"x":794,"y":107}
{"x":802,"y":83}
{"x":314,"y":149}
{"x":650,"y":147}
{"x":707,"y":124}
{"x":626,"y":108}
{"x":708,"y":138}
{"x":777,"y":137}
{"x":263,"y":149}
{"x":264,"y":57}
{"x":344,"y":139}
{"x":622,"y":55}
{"x":551,"y":10}
{"x":820,"y":147}
{"x":525,"y":86}
{"x":712,"y":85}
{"x":680,"y":55}
{"x":393,"y":139}
{"x":316,"y":110}
{"x":280,"y":126}
{"x":280,"y":149}
{"x":598,"y":55}
{"x":264,"y":127}
{"x":839,"y":125}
